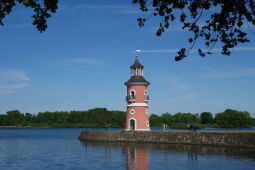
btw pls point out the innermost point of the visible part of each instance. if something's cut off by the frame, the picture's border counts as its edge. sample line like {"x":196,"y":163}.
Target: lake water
{"x":60,"y":149}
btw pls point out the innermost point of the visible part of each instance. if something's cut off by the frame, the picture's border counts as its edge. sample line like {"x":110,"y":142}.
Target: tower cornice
{"x":137,"y":80}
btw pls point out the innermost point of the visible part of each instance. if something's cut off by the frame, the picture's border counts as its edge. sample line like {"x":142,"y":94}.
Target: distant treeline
{"x":99,"y":117}
{"x":227,"y":119}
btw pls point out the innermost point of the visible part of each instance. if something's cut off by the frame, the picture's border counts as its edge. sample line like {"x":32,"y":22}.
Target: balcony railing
{"x":130,"y":98}
{"x":146,"y":98}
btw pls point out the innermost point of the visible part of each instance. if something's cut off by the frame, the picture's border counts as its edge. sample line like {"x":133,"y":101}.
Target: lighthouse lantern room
{"x":137,"y":117}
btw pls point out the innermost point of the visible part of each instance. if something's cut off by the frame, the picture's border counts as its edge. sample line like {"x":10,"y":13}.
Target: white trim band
{"x":137,"y":104}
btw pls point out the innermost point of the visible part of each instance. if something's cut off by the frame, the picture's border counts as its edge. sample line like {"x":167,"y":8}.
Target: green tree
{"x":98,"y":117}
{"x":14,"y":117}
{"x":233,"y":119}
{"x":223,"y":20}
{"x":167,"y":118}
{"x":253,"y":122}
{"x":42,"y":10}
{"x":28,"y":117}
{"x":155,"y":120}
{"x":183,"y":120}
{"x":2,"y":120}
{"x":119,"y":118}
{"x":186,"y":118}
{"x":206,"y":117}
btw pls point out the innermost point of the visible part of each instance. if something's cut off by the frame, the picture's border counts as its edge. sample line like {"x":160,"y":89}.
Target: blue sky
{"x":83,"y":59}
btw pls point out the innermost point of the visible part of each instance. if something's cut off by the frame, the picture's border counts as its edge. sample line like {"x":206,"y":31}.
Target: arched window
{"x":133,"y":72}
{"x":132,"y":124}
{"x":146,"y":96}
{"x":132,"y":95}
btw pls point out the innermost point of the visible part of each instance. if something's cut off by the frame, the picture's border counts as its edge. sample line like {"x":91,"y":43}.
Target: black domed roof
{"x":137,"y":64}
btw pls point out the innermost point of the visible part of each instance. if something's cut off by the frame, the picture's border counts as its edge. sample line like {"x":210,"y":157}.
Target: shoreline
{"x":152,"y":129}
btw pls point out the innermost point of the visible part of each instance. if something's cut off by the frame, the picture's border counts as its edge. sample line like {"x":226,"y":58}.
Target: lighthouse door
{"x":132,"y":124}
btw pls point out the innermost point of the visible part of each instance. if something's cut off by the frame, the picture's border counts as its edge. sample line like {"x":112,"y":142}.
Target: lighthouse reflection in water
{"x":144,"y":156}
{"x":136,"y":158}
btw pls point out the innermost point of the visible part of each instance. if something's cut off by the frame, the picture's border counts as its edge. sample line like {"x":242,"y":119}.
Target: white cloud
{"x":11,"y":80}
{"x":9,"y":75}
{"x":195,"y":50}
{"x":78,"y":64}
{"x":13,"y":86}
{"x":188,"y":97}
{"x":232,"y":72}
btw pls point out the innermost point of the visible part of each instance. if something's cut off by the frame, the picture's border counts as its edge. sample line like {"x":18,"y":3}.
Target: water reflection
{"x":138,"y":156}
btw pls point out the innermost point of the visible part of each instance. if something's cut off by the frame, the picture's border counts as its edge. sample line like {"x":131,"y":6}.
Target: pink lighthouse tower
{"x":137,"y":117}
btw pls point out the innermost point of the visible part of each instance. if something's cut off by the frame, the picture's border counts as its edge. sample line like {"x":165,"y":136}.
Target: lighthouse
{"x":137,"y":116}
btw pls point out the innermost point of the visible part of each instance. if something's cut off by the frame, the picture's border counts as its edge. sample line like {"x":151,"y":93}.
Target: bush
{"x":233,"y":119}
{"x":206,"y":117}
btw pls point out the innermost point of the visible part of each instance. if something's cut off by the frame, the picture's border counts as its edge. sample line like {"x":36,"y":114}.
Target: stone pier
{"x":239,"y":139}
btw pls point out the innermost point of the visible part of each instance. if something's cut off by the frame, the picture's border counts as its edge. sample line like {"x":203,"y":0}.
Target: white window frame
{"x":132,"y":111}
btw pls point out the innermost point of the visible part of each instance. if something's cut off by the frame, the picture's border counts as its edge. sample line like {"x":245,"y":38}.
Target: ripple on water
{"x":30,"y":149}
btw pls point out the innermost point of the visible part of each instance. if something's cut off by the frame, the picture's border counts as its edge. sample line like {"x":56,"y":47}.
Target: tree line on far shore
{"x":227,"y":119}
{"x":98,"y":117}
